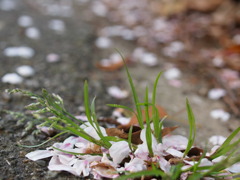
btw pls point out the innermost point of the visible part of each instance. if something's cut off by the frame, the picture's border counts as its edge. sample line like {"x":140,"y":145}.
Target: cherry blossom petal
{"x":217,"y":140}
{"x":118,"y":151}
{"x":175,"y":141}
{"x":174,"y":152}
{"x":103,"y":170}
{"x":39,"y":154}
{"x":135,"y":165}
{"x":87,"y":127}
{"x":82,"y":168}
{"x":234,"y":168}
{"x":56,"y":165}
{"x":164,"y":165}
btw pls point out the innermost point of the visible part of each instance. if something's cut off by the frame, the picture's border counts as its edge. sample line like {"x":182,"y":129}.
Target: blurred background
{"x":57,"y":44}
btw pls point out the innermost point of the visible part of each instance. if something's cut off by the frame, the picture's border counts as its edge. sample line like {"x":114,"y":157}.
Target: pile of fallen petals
{"x":83,"y":158}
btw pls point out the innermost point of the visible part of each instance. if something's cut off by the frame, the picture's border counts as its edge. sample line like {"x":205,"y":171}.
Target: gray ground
{"x":66,"y":77}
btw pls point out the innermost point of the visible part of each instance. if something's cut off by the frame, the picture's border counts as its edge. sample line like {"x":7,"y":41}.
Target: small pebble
{"x":103,"y":42}
{"x":216,"y":93}
{"x":41,"y":162}
{"x":12,"y":78}
{"x":21,"y":51}
{"x":25,"y":71}
{"x":172,"y":73}
{"x":220,"y":114}
{"x":25,"y":21}
{"x":52,"y":58}
{"x":32,"y":33}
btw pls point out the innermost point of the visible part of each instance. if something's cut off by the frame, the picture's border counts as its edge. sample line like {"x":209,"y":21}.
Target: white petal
{"x":22,"y":51}
{"x":12,"y":78}
{"x":32,"y":33}
{"x":25,"y":71}
{"x":103,"y":42}
{"x":55,"y":165}
{"x":135,"y":165}
{"x":216,"y":93}
{"x":175,"y":141}
{"x":220,"y":114}
{"x":91,"y":131}
{"x":164,"y":165}
{"x":52,"y":58}
{"x":57,"y":25}
{"x":25,"y":21}
{"x":117,"y":93}
{"x":149,"y":59}
{"x":82,"y":167}
{"x":118,"y":151}
{"x":123,"y":120}
{"x":234,"y":168}
{"x":172,"y":73}
{"x":217,"y":140}
{"x":174,"y":152}
{"x":39,"y":154}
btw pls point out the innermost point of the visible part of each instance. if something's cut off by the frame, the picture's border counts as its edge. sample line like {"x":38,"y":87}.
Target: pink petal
{"x":55,"y":165}
{"x":174,"y":152}
{"x":135,"y":165}
{"x":164,"y":164}
{"x":39,"y":154}
{"x":82,"y":167}
{"x":175,"y":141}
{"x":118,"y":151}
{"x":234,"y":168}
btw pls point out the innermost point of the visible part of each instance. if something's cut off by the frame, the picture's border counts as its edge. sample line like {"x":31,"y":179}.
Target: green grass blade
{"x":134,"y":92}
{"x":130,"y":139}
{"x":144,"y":173}
{"x":148,"y":128}
{"x":122,"y":107}
{"x":38,"y":145}
{"x":155,"y":88}
{"x":192,"y":128}
{"x":96,"y":125}
{"x":74,"y":153}
{"x":221,"y":150}
{"x":86,"y":103}
{"x":176,"y":171}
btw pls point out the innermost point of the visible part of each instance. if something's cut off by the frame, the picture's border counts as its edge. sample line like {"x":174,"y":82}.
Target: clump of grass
{"x":51,"y":104}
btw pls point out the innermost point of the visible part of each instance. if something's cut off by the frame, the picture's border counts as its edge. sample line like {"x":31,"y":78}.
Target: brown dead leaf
{"x":234,"y":49}
{"x":112,"y":66}
{"x":123,"y":133}
{"x":204,"y":5}
{"x":168,"y":130}
{"x":94,"y":149}
{"x":195,"y":151}
{"x":161,"y":111}
{"x":103,"y":165}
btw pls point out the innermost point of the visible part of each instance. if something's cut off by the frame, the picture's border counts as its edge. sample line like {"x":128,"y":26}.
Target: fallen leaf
{"x":122,"y":132}
{"x":195,"y":151}
{"x":168,"y":130}
{"x":161,"y":111}
{"x":234,"y":49}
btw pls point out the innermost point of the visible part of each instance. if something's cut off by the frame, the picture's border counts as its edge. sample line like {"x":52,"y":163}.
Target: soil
{"x":78,"y":56}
